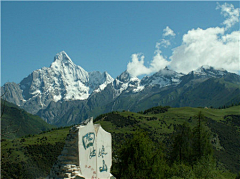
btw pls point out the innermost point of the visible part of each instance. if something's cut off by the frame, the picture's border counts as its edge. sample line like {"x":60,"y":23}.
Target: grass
{"x":161,"y":126}
{"x":35,"y":153}
{"x":16,"y":122}
{"x":174,"y":116}
{"x":38,"y":152}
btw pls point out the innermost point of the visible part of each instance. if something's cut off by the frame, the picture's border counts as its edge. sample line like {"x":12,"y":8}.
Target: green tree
{"x":180,"y":171}
{"x":139,"y":158}
{"x":182,"y":145}
{"x":205,"y":167}
{"x":201,"y":139}
{"x":192,"y":153}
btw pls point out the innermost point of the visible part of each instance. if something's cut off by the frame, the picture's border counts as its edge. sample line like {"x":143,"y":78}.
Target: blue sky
{"x":115,"y":36}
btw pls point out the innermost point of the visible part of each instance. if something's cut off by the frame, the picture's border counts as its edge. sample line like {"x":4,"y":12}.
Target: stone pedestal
{"x":87,"y":154}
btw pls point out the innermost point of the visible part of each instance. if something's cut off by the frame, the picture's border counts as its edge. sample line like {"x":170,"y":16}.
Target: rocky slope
{"x":66,"y":94}
{"x":125,"y":93}
{"x":62,"y":81}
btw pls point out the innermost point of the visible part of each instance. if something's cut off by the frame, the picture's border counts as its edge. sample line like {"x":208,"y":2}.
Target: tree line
{"x":191,"y":155}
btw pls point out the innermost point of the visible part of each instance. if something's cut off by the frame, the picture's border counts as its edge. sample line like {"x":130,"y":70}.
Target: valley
{"x":162,"y":78}
{"x":35,"y":154}
{"x":39,"y":111}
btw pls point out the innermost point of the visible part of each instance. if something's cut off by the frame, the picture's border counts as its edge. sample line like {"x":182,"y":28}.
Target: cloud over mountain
{"x":136,"y":67}
{"x":214,"y":46}
{"x":207,"y":47}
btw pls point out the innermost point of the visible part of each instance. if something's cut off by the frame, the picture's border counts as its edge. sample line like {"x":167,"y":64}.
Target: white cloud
{"x":168,"y":32}
{"x":230,"y":13}
{"x":158,"y":62}
{"x":136,"y":67}
{"x":207,"y":47}
{"x":163,"y":43}
{"x":212,"y":46}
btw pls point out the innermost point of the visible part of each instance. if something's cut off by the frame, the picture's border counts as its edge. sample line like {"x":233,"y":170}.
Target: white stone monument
{"x":87,"y":154}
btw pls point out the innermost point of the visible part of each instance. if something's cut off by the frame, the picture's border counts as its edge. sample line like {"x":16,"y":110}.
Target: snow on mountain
{"x":63,"y":80}
{"x":97,"y":78}
{"x":208,"y":71}
{"x":164,"y":77}
{"x":125,"y":82}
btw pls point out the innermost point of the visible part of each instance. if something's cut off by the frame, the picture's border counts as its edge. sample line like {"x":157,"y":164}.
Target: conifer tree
{"x":182,"y":145}
{"x":139,"y":158}
{"x":201,"y":139}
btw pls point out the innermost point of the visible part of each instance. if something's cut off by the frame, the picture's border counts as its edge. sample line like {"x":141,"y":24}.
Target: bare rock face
{"x":12,"y":93}
{"x":62,"y":81}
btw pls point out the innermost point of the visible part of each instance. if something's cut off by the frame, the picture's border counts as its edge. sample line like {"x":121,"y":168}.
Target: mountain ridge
{"x":63,"y":80}
{"x":64,"y":93}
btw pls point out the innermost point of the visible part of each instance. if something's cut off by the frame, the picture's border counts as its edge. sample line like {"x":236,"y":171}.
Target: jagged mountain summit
{"x":65,"y":94}
{"x":208,"y":71}
{"x":126,"y":83}
{"x":164,"y":77}
{"x":62,"y":81}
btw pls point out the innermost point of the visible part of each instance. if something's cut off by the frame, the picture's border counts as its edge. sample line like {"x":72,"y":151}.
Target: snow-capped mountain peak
{"x":63,"y":80}
{"x":209,"y":71}
{"x":167,"y":72}
{"x":63,"y":64}
{"x":125,"y":82}
{"x":98,"y":81}
{"x":63,"y":57}
{"x":124,"y":77}
{"x":163,"y":77}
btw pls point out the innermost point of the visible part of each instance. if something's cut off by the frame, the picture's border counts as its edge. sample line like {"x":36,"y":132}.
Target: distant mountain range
{"x":66,"y":94}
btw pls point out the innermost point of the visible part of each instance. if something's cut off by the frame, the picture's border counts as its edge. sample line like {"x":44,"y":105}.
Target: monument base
{"x":68,"y":164}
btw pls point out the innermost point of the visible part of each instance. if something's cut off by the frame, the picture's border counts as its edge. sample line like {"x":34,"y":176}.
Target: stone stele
{"x":87,"y":154}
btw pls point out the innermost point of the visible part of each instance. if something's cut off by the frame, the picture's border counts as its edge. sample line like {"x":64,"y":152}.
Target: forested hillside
{"x":16,"y":122}
{"x":32,"y":156}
